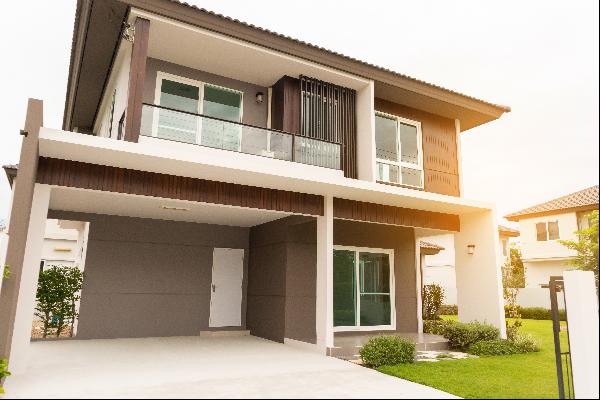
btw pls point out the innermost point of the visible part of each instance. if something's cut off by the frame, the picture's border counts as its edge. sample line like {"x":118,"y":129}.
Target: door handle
{"x":213,"y":286}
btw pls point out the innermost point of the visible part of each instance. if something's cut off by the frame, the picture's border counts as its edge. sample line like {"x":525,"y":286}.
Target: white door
{"x":226,"y":288}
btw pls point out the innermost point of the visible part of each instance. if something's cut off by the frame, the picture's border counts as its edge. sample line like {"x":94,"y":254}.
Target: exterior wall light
{"x":259,"y":97}
{"x":171,"y":208}
{"x":471,"y":249}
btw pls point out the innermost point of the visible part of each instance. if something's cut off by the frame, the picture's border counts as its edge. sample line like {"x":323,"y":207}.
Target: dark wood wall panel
{"x":285,"y":105}
{"x":137,"y":74}
{"x":440,"y":153}
{"x":383,"y":214}
{"x":328,"y":112}
{"x":59,"y":172}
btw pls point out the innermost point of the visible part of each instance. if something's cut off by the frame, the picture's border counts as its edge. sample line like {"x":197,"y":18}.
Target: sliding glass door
{"x":363,"y":289}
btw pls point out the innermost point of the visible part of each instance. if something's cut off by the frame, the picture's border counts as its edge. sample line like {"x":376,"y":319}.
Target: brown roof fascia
{"x":515,"y":218}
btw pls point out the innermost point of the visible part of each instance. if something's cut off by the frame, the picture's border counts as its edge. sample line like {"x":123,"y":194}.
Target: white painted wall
{"x":324,"y":302}
{"x":532,"y":249}
{"x":478,"y":275}
{"x":119,"y":81}
{"x":439,"y":268}
{"x":582,"y":318}
{"x":539,"y":272}
{"x":365,"y":132}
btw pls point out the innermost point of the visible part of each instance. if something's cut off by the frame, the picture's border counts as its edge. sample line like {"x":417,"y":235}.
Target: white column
{"x":19,"y":352}
{"x":324,"y":314}
{"x":478,"y":275}
{"x":365,"y":132}
{"x":582,"y":318}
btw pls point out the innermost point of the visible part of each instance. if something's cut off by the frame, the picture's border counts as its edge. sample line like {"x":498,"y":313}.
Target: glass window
{"x":410,"y":144}
{"x":397,"y":149}
{"x":542,"y":234}
{"x":411,"y":176}
{"x":367,"y":302}
{"x":374,"y":289}
{"x":553,"y":233}
{"x":386,"y":138}
{"x":344,"y":288}
{"x":224,"y":104}
{"x":176,"y":125}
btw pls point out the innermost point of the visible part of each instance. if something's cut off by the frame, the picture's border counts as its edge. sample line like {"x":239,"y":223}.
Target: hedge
{"x":387,"y":350}
{"x":538,"y":313}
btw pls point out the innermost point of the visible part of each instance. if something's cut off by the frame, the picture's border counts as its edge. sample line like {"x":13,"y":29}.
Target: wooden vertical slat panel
{"x":113,"y":179}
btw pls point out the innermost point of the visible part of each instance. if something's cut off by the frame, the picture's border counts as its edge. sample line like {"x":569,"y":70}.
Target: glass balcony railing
{"x":187,"y":127}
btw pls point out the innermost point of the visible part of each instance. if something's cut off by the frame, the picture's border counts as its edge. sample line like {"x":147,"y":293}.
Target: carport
{"x":198,"y":367}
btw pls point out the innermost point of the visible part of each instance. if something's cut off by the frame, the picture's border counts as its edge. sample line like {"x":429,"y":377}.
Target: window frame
{"x":160,"y":76}
{"x":358,"y":326}
{"x":547,"y":227}
{"x":399,"y":163}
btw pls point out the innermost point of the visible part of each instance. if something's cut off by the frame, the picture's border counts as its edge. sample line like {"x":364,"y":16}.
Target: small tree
{"x":586,"y":247}
{"x":433,"y":298}
{"x":513,"y":279}
{"x":57,"y":293}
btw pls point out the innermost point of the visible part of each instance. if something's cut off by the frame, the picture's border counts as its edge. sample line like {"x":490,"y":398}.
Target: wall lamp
{"x":260,"y":97}
{"x":171,"y":208}
{"x":471,"y":249}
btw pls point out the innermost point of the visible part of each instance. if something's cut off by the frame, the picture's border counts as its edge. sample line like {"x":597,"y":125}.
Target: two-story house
{"x":235,"y":178}
{"x":542,"y":226}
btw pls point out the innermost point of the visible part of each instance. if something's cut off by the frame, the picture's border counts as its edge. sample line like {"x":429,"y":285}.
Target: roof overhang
{"x":11,"y":173}
{"x":516,"y":218}
{"x":98,"y":26}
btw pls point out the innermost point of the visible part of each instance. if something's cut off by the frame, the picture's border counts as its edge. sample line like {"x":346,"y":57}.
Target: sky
{"x":538,"y":57}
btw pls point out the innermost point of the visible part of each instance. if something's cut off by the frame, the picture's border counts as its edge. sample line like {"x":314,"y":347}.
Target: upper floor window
{"x":547,"y":231}
{"x":198,"y":98}
{"x":398,"y":150}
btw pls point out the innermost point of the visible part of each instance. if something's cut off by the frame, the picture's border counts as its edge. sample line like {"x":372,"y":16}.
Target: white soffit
{"x":96,"y":202}
{"x":208,"y":51}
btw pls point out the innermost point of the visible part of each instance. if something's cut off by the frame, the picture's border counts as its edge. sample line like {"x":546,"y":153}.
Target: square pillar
{"x":478,"y":275}
{"x":21,"y":332}
{"x":324,"y":312}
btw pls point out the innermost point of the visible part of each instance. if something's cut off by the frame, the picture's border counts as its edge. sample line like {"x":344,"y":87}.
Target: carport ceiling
{"x":95,"y":202}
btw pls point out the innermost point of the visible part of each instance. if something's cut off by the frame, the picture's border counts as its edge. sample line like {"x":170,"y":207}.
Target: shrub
{"x":436,"y":327}
{"x":3,"y":372}
{"x":387,"y":350}
{"x":503,"y":347}
{"x":526,"y":343}
{"x":462,"y":335}
{"x":497,"y":347}
{"x":538,"y":313}
{"x":448,"y":309}
{"x":433,"y":297}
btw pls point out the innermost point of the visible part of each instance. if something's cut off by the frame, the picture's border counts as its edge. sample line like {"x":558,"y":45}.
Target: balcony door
{"x":363,"y":289}
{"x":199,"y":112}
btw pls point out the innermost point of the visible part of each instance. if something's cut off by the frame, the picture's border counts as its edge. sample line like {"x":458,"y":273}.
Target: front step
{"x":352,"y":352}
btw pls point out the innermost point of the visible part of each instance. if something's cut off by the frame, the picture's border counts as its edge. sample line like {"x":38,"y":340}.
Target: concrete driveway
{"x":194,"y":367}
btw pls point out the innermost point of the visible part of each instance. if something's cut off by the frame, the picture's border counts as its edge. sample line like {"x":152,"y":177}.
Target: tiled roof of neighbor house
{"x":11,"y":172}
{"x":583,"y":199}
{"x":432,"y":246}
{"x":506,"y":231}
{"x":258,"y":28}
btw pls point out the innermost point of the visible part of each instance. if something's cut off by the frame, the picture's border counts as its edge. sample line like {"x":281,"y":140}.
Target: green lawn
{"x":530,"y":375}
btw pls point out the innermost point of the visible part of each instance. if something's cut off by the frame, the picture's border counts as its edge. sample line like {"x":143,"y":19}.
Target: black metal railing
{"x":188,"y":127}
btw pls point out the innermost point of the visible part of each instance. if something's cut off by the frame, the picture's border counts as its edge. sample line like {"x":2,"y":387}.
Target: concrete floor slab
{"x":194,"y":367}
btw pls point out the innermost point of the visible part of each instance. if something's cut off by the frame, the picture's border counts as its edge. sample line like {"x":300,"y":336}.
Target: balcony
{"x":187,"y":127}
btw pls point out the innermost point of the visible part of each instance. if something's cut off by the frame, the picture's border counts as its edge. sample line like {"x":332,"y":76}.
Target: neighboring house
{"x":542,"y":226}
{"x":437,"y":264}
{"x":235,"y":178}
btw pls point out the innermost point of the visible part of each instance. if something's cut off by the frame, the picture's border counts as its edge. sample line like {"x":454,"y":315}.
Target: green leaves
{"x":433,"y":297}
{"x":57,"y":293}
{"x":3,"y":372}
{"x":6,"y":271}
{"x":587,"y":246}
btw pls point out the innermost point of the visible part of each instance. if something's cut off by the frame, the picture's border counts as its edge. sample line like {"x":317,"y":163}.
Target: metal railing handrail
{"x":239,"y":123}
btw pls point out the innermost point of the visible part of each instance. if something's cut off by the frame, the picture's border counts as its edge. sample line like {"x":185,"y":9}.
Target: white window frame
{"x":400,"y":163}
{"x":358,"y":327}
{"x":160,"y":76}
{"x":547,"y":231}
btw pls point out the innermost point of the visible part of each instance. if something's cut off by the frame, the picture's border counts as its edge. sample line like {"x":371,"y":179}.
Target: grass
{"x":531,"y":375}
